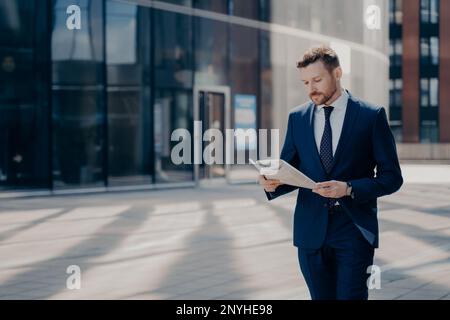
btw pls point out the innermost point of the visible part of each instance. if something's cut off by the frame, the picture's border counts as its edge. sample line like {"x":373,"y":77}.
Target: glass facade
{"x":95,"y":107}
{"x":395,"y":68}
{"x":429,"y":71}
{"x":24,"y":96}
{"x":78,"y":100}
{"x":395,"y":12}
{"x":173,"y":62}
{"x":128,"y":94}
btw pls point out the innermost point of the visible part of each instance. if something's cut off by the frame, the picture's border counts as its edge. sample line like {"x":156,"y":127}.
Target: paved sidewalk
{"x":225,"y":242}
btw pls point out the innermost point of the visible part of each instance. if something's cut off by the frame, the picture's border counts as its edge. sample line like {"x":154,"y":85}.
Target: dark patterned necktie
{"x":326,"y":147}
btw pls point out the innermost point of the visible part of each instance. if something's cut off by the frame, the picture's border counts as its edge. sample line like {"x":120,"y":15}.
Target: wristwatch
{"x":350,"y":190}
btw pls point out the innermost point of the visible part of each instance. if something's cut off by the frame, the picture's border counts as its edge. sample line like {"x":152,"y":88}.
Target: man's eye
{"x":305,"y":83}
{"x":318,"y":80}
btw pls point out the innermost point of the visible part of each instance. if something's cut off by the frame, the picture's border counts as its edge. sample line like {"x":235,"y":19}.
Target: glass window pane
{"x":17,"y":23}
{"x":434,"y":11}
{"x":187,"y":3}
{"x":398,"y":52}
{"x":398,"y":47}
{"x":398,"y":12}
{"x":120,"y":33}
{"x":244,"y":60}
{"x":78,"y":97}
{"x":77,"y":54}
{"x":172,"y":110}
{"x":247,"y":8}
{"x":425,"y":11}
{"x":173,"y":58}
{"x":391,"y":52}
{"x":129,"y":112}
{"x":424,"y":51}
{"x":220,"y":6}
{"x":397,"y":132}
{"x":24,"y":121}
{"x":77,"y":138}
{"x":391,"y":11}
{"x":129,"y":132}
{"x":211,"y":49}
{"x":434,"y":48}
{"x":424,"y":92}
{"x":391,"y":93}
{"x":434,"y":92}
{"x":398,"y":92}
{"x":429,"y":132}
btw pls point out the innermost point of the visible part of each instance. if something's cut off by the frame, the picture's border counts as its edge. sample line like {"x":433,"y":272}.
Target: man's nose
{"x":311,"y":88}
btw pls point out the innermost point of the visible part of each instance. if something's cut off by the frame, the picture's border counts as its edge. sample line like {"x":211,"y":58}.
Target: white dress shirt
{"x":336,"y":120}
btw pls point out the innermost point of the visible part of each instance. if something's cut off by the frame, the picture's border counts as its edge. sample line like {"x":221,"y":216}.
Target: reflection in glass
{"x":398,"y":11}
{"x":211,"y":50}
{"x":77,"y":54}
{"x":395,"y":11}
{"x":77,"y":138}
{"x":424,"y":92}
{"x":424,"y":51}
{"x":429,"y":131}
{"x":24,"y":124}
{"x":434,"y":11}
{"x":434,"y":50}
{"x":17,"y":23}
{"x":212,"y":115}
{"x":425,"y":11}
{"x":398,"y":89}
{"x":429,"y":51}
{"x":172,"y":110}
{"x":219,"y":6}
{"x":395,"y":52}
{"x":173,"y":58}
{"x":129,"y":117}
{"x":395,"y":92}
{"x":78,"y":105}
{"x":397,"y":130}
{"x":429,"y":11}
{"x":121,"y":34}
{"x":429,"y":92}
{"x":434,"y":92}
{"x":75,"y":44}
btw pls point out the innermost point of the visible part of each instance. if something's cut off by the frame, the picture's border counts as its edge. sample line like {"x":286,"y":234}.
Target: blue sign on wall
{"x":245,"y":118}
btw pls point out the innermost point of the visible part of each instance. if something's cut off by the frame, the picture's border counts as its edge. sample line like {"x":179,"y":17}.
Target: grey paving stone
{"x":241,"y":252}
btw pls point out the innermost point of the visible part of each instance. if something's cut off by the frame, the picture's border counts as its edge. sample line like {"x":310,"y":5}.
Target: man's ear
{"x":337,"y":73}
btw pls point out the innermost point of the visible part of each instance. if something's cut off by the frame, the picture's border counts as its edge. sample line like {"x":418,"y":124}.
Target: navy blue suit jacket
{"x":366,"y":143}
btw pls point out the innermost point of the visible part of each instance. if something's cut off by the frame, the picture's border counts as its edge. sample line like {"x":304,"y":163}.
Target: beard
{"x":321,"y":98}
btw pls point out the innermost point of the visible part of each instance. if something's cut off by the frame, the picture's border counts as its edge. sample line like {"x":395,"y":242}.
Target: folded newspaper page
{"x":283,"y":171}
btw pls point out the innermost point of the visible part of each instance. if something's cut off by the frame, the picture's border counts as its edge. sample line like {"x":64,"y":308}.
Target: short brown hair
{"x":323,"y":53}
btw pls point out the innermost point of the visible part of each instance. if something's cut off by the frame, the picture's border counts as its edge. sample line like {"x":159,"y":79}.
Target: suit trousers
{"x":338,"y":269}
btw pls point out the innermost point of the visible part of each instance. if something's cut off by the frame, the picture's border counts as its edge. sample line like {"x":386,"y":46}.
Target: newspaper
{"x":283,"y":171}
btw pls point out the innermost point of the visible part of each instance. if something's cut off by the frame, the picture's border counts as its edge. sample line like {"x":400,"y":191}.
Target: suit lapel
{"x":351,"y":114}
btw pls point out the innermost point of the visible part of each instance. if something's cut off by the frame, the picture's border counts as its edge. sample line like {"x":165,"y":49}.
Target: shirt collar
{"x":338,"y":104}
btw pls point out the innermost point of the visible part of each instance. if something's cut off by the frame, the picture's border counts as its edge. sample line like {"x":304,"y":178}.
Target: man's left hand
{"x":331,"y":189}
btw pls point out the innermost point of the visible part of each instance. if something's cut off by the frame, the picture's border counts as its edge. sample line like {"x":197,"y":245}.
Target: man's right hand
{"x":269,"y":185}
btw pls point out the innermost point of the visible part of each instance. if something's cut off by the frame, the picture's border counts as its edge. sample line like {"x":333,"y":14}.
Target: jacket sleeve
{"x":288,"y":154}
{"x":388,"y":177}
